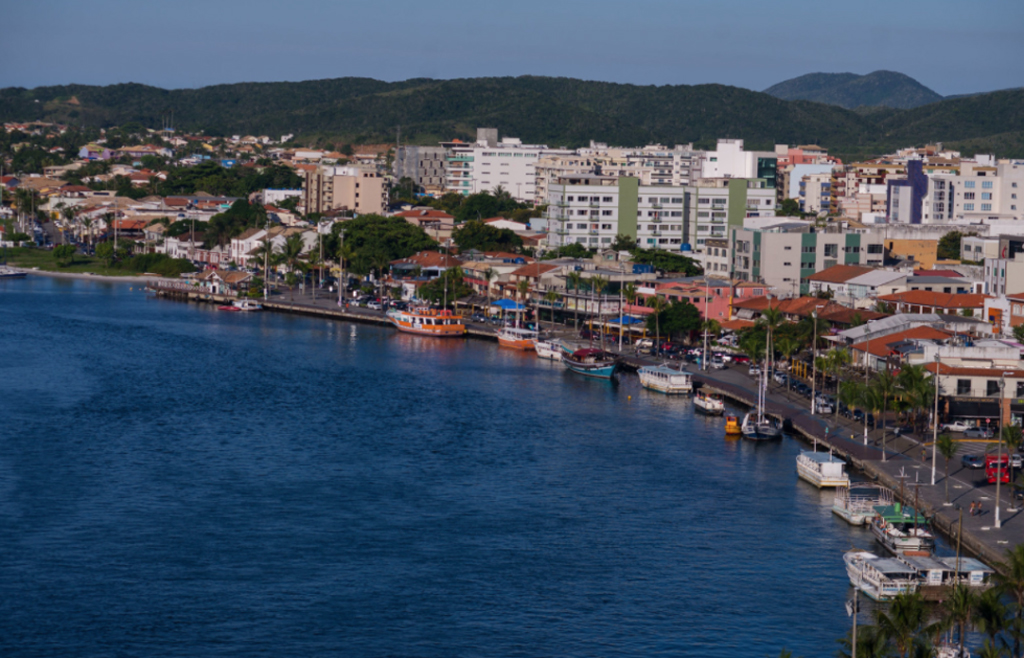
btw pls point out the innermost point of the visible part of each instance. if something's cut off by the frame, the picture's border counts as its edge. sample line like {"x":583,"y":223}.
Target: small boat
{"x":516,"y":338}
{"x":665,"y":380}
{"x":241,"y":306}
{"x":881,"y":579}
{"x":855,"y":503}
{"x":822,"y":469}
{"x":732,"y":426}
{"x":427,"y":322}
{"x":760,"y":429}
{"x":902,"y":530}
{"x":591,"y":362}
{"x":547,"y":349}
{"x":8,"y":273}
{"x":709,"y":404}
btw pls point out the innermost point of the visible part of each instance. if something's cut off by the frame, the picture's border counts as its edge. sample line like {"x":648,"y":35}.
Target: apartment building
{"x":729,"y":160}
{"x":489,"y":163}
{"x":424,"y":165}
{"x":978,"y":248}
{"x":989,"y":192}
{"x":591,"y":210}
{"x":815,"y":194}
{"x":1004,"y":276}
{"x":361,"y":189}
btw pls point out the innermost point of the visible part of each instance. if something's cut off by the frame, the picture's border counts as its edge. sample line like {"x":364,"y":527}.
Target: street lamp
{"x":999,"y":442}
{"x":935,"y":416}
{"x":814,"y":365}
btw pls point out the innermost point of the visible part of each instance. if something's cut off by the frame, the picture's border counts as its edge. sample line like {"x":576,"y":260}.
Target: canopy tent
{"x":508,"y":305}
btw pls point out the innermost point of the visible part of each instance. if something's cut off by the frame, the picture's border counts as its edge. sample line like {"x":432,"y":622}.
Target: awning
{"x":973,"y":409}
{"x":628,"y":319}
{"x":507,"y":305}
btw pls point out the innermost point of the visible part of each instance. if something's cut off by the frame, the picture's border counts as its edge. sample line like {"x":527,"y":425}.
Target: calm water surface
{"x":176,"y":481}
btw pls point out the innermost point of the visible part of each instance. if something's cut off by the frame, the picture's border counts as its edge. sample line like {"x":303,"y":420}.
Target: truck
{"x":994,"y":468}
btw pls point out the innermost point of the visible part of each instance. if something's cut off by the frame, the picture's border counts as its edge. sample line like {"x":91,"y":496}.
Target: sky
{"x":951,"y":47}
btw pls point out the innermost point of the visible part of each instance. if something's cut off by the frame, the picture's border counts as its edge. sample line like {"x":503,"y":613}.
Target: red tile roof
{"x":943,"y":300}
{"x":973,"y":372}
{"x":736,"y":325}
{"x":533,"y":270}
{"x":879,"y":346}
{"x":429,"y":259}
{"x":839,"y":273}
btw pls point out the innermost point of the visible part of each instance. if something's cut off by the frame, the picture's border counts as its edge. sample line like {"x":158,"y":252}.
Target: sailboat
{"x":756,"y":426}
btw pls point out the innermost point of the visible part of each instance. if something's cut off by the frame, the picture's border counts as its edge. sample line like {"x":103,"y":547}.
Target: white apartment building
{"x":729,"y":160}
{"x":488,"y":163}
{"x":978,"y":248}
{"x":937,"y":206}
{"x":1004,"y":276}
{"x":989,"y":192}
{"x":591,"y":210}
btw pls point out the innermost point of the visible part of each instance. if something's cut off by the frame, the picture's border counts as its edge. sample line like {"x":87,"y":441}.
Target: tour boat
{"x":855,"y":503}
{"x":591,"y":362}
{"x":709,"y":404}
{"x":732,"y":426}
{"x":665,"y":380}
{"x":516,"y":338}
{"x":822,"y":469}
{"x":547,"y":349}
{"x":241,"y":305}
{"x":937,"y":574}
{"x":427,"y":322}
{"x":902,"y":530}
{"x":881,"y":579}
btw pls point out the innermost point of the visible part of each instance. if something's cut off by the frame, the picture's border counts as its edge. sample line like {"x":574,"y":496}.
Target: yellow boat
{"x":732,"y":425}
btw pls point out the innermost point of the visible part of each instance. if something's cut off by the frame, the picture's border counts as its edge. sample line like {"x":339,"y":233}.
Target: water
{"x":175,"y":481}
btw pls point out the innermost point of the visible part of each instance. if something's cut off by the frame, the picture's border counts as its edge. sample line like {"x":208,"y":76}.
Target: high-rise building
{"x":360,"y":189}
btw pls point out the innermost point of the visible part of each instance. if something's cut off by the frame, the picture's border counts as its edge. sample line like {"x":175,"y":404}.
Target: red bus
{"x":993,"y":470}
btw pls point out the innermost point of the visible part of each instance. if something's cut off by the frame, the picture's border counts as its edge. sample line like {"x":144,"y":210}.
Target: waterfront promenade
{"x":904,"y":467}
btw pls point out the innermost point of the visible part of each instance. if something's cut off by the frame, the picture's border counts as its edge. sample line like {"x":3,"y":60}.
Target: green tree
{"x":488,"y":276}
{"x":990,"y":615}
{"x":64,"y":254}
{"x":597,"y":285}
{"x":905,"y":623}
{"x":452,"y":281}
{"x":667,"y":261}
{"x":958,"y":609}
{"x":789,"y":208}
{"x":550,"y":297}
{"x":884,"y":385}
{"x":368,"y":236}
{"x":680,"y":318}
{"x":483,"y":237}
{"x":659,"y":305}
{"x":788,"y":346}
{"x":105,"y":252}
{"x":1009,"y":579}
{"x":948,"y":448}
{"x":624,"y":242}
{"x":949,"y":246}
{"x":575,"y":278}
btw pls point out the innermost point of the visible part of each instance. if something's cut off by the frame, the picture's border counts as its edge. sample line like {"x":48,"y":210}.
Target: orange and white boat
{"x":427,"y":322}
{"x":516,"y":338}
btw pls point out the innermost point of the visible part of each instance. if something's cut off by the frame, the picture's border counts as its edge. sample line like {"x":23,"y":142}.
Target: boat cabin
{"x":942,"y":571}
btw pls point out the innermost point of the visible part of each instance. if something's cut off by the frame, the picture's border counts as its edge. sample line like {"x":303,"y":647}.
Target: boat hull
{"x":708,"y":409}
{"x":665,"y":384}
{"x":547,"y":351}
{"x":808,"y":474}
{"x":591,"y":370}
{"x":521,"y":344}
{"x":910,"y":546}
{"x":409,"y":324}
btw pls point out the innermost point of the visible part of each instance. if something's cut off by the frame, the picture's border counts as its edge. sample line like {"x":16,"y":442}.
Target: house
{"x":224,"y":282}
{"x":712,"y":298}
{"x":875,"y":283}
{"x":95,"y":152}
{"x":980,"y":395}
{"x":535,"y":273}
{"x":836,"y":279}
{"x":877,"y":353}
{"x":244,"y":244}
{"x":428,"y":263}
{"x":923,"y":301}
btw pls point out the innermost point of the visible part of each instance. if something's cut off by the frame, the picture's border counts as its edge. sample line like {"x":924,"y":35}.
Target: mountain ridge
{"x":849,"y":90}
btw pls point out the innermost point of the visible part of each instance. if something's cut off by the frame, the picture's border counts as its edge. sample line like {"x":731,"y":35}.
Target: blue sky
{"x":951,"y":47}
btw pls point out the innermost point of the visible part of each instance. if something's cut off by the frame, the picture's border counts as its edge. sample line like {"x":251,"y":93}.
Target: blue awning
{"x":628,"y":319}
{"x":508,"y":305}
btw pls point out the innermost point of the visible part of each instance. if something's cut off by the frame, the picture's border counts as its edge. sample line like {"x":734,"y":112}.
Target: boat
{"x":855,"y":503}
{"x":822,"y":469}
{"x":665,"y":380}
{"x":756,"y":425}
{"x":881,"y":579}
{"x":427,"y":322}
{"x":709,"y":404}
{"x":937,"y":574}
{"x":516,"y":338}
{"x":591,"y":362}
{"x":902,"y":530}
{"x":241,"y":306}
{"x":548,"y":349}
{"x":732,"y":426}
{"x":8,"y":273}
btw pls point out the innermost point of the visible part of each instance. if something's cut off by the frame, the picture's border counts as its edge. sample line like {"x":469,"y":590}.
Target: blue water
{"x":175,"y":481}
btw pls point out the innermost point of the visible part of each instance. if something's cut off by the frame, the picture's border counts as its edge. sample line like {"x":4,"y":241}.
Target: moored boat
{"x":881,"y":579}
{"x":822,"y":469}
{"x":855,"y":503}
{"x":665,"y":380}
{"x":8,"y":273}
{"x":517,"y":338}
{"x":427,"y":322}
{"x":241,"y":305}
{"x":548,"y":349}
{"x":760,"y":429}
{"x":591,"y":362}
{"x":732,"y":426}
{"x":902,"y":530}
{"x":709,"y":404}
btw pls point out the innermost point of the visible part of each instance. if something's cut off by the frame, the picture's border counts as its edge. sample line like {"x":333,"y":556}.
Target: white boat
{"x":938,"y":574}
{"x":8,"y":273}
{"x":665,"y":380}
{"x":756,"y":425}
{"x":709,"y":404}
{"x":856,"y":502}
{"x":822,"y":469}
{"x":902,"y":531}
{"x":881,"y":579}
{"x":517,"y":338}
{"x":242,"y":306}
{"x":548,"y":349}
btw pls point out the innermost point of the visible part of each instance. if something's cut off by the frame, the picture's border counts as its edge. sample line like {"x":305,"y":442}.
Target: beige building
{"x":362,"y":189}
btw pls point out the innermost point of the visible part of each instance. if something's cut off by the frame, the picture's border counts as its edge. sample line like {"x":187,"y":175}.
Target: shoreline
{"x":86,"y":276}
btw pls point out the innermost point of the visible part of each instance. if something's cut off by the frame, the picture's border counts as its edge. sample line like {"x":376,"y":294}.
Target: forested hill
{"x":554,"y":111}
{"x":849,"y":90}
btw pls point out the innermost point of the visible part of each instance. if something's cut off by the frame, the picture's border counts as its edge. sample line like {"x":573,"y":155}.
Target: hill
{"x":555,"y":111}
{"x":849,"y":90}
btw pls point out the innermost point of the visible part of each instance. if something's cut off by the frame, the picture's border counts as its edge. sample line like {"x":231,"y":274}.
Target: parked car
{"x":904,"y":429}
{"x":374,"y":305}
{"x":824,"y":408}
{"x":857,"y":415}
{"x":956,"y":426}
{"x":973,"y":461}
{"x":478,"y":317}
{"x":780,"y":377}
{"x":978,"y":433}
{"x":1016,"y":461}
{"x":717,"y":362}
{"x":740,"y":358}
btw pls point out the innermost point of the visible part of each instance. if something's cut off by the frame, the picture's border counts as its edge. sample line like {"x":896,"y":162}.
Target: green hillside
{"x":555,"y":111}
{"x":849,"y":90}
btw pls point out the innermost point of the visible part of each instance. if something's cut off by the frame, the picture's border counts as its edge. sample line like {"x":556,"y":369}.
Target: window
{"x":703,"y":214}
{"x":606,"y":199}
{"x":986,"y":206}
{"x":606,"y":227}
{"x":831,"y":250}
{"x":788,"y":248}
{"x":874,"y":248}
{"x":986,"y":185}
{"x":606,"y":213}
{"x":969,"y":184}
{"x":581,"y":226}
{"x":677,"y":199}
{"x":986,"y":196}
{"x":963,"y":387}
{"x":992,"y":387}
{"x":1020,"y":389}
{"x":968,"y":206}
{"x":809,"y":250}
{"x":969,"y":195}
{"x":569,"y":198}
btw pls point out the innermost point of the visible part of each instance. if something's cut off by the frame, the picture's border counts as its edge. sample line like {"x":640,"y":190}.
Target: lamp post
{"x":935,"y":417}
{"x":999,"y":442}
{"x":814,"y":365}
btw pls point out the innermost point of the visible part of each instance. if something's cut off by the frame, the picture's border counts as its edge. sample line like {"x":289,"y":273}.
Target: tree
{"x":667,"y":261}
{"x":1018,"y":333}
{"x":575,"y":278}
{"x":256,"y":287}
{"x":291,"y":250}
{"x":597,"y":286}
{"x":770,"y":319}
{"x":712,"y":326}
{"x":572,"y":250}
{"x":550,"y":297}
{"x":483,"y":237}
{"x":624,"y":242}
{"x":788,"y":346}
{"x":105,"y":252}
{"x":958,"y":609}
{"x":659,"y":305}
{"x":949,"y":246}
{"x":948,"y":448}
{"x":522,"y":290}
{"x":64,"y":254}
{"x":451,"y":281}
{"x":884,"y":384}
{"x":789,"y":208}
{"x":367,"y":236}
{"x":1009,"y":579}
{"x":489,"y":275}
{"x":990,"y":615}
{"x":904,"y":623}
{"x":681,"y":318}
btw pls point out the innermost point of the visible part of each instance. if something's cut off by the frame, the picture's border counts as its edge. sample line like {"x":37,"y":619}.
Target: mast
{"x":704,"y":361}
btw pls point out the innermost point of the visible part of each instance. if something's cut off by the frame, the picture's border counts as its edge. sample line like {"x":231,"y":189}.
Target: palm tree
{"x":870,"y":644}
{"x":958,"y":609}
{"x":905,"y":623}
{"x":575,"y":278}
{"x":771,"y":318}
{"x":835,"y":362}
{"x":948,"y":448}
{"x":850,"y":393}
{"x":990,"y":616}
{"x":87,"y":223}
{"x":550,"y":297}
{"x":380,"y":263}
{"x":712,"y":326}
{"x":659,"y":305}
{"x":522,"y":290}
{"x":918,"y":389}
{"x":885,"y":385}
{"x":788,"y":347}
{"x":1009,"y":578}
{"x":488,"y":276}
{"x":597,"y":286}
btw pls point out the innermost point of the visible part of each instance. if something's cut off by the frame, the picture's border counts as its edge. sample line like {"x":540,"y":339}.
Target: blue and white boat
{"x":592,"y":363}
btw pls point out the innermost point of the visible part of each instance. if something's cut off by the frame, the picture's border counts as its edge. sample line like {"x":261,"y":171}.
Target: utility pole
{"x":814,"y":364}
{"x":935,"y":421}
{"x":704,"y":360}
{"x":999,"y":442}
{"x":266,"y":260}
